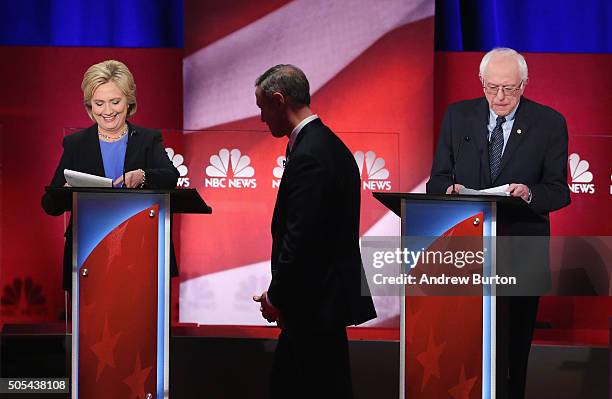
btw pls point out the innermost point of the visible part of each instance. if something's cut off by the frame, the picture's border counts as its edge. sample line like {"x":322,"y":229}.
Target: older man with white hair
{"x":505,"y":138}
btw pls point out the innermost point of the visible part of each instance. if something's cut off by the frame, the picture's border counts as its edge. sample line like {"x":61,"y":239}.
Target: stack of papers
{"x":499,"y":190}
{"x":80,"y":179}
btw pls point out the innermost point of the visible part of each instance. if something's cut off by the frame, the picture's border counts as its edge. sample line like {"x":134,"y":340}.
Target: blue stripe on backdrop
{"x":101,"y":23}
{"x":472,"y":25}
{"x":563,"y":26}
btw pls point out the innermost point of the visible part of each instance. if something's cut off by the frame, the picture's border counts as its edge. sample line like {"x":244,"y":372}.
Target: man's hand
{"x":520,"y":190}
{"x":133,"y":178}
{"x":268,"y":311}
{"x":458,"y":187}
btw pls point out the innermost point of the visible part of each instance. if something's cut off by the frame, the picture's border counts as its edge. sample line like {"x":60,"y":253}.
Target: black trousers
{"x":311,"y":364}
{"x":516,"y":317}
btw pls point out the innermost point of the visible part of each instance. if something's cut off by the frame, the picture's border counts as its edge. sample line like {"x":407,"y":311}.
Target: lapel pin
{"x":519,"y":131}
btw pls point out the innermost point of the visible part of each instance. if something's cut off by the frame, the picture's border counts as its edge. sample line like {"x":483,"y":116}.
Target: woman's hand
{"x":133,"y":179}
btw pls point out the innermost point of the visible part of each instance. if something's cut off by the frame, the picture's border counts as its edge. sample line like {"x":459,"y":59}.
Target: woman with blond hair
{"x":132,"y":156}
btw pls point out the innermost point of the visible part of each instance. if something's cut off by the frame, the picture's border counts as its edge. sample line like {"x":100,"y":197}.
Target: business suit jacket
{"x":82,"y":153}
{"x":316,"y":262}
{"x":536,"y":157}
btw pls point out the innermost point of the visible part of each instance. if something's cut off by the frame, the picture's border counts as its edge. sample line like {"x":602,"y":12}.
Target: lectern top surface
{"x":393,"y":200}
{"x":182,"y":200}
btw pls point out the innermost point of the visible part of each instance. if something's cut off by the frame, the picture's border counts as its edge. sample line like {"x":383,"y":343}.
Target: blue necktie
{"x":496,"y":145}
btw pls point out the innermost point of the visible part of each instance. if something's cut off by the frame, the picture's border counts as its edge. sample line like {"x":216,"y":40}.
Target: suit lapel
{"x":92,"y":146}
{"x":133,"y":145}
{"x":519,"y":130}
{"x":478,"y":125}
{"x":314,"y":124}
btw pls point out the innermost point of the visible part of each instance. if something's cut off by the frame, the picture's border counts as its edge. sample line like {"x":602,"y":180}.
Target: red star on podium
{"x":85,"y":316}
{"x":412,"y":325}
{"x":137,"y":380}
{"x":464,"y":387}
{"x":430,"y":360}
{"x":115,"y":244}
{"x":104,"y":350}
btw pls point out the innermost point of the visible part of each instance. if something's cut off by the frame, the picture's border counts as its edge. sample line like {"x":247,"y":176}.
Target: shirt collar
{"x":296,"y":130}
{"x":509,"y":117}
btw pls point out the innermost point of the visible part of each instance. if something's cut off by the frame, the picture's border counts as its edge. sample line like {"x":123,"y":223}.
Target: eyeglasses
{"x":507,"y":90}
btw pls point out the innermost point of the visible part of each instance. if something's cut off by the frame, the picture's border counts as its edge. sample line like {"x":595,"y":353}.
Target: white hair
{"x":522,"y":64}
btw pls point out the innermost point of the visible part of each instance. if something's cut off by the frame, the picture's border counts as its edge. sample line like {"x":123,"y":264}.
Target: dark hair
{"x":288,"y":80}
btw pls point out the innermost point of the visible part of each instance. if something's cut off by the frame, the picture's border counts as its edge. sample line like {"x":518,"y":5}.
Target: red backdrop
{"x":41,"y":95}
{"x":578,"y":86}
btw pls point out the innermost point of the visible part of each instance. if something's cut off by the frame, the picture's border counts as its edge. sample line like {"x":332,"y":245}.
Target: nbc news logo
{"x":374,"y":175}
{"x":230,"y":169}
{"x":177,"y":161}
{"x":580,"y":175}
{"x":278,"y":170}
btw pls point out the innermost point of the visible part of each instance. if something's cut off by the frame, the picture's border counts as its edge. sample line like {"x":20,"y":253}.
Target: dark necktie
{"x":496,"y":145}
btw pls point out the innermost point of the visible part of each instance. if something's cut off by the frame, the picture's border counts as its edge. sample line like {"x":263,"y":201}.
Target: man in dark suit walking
{"x":316,"y":288}
{"x":501,"y":139}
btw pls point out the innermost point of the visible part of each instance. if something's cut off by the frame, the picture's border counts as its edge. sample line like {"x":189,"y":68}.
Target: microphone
{"x":466,"y":139}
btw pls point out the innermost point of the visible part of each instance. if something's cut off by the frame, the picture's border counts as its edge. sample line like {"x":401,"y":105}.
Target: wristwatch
{"x":529,"y":197}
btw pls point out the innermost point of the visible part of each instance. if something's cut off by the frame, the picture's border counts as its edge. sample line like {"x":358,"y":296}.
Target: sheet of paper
{"x":80,"y":179}
{"x":499,"y":190}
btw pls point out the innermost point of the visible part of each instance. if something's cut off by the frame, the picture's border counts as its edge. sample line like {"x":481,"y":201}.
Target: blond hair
{"x":109,"y":71}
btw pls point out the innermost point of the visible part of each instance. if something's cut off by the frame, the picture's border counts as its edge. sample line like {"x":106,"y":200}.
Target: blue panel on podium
{"x":461,"y":329}
{"x":120,"y":294}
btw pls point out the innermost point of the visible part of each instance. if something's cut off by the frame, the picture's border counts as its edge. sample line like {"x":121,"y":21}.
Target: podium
{"x":120,"y":288}
{"x":448,"y":343}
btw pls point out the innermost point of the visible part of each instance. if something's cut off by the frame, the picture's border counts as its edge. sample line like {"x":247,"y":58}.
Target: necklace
{"x":110,"y":139}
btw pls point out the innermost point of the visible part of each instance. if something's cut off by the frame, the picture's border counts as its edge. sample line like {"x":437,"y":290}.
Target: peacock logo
{"x":581,"y":177}
{"x":178,"y":162}
{"x":230,"y":169}
{"x":376,"y":175}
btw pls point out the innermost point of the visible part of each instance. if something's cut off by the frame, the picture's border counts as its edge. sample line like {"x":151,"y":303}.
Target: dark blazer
{"x":82,"y":153}
{"x":536,"y":157}
{"x":316,"y":262}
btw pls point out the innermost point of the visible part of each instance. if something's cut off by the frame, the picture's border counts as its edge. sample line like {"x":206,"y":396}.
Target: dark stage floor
{"x":205,"y":367}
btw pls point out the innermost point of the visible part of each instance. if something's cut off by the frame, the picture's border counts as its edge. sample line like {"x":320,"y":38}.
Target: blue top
{"x":113,"y":157}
